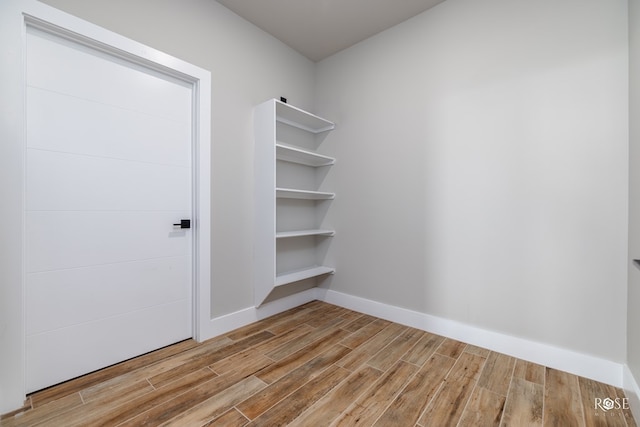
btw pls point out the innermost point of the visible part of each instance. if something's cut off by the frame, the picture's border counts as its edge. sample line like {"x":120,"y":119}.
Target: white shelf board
{"x":307,"y":273}
{"x":303,"y":157}
{"x":290,"y":193}
{"x":294,"y":116}
{"x":301,"y":233}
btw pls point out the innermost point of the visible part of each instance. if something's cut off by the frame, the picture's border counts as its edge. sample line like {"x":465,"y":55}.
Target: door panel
{"x":72,"y":239}
{"x":85,"y":347}
{"x":78,"y":182}
{"x":108,"y":173}
{"x":64,"y":123}
{"x":91,"y":293}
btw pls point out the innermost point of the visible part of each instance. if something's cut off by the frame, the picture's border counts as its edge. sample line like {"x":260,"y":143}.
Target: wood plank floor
{"x":321,"y":365}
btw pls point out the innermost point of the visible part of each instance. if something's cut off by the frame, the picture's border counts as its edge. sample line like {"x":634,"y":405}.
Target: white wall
{"x":247,"y":67}
{"x":482,"y":168}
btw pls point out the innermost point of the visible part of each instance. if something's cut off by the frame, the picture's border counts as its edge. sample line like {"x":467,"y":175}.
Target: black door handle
{"x":184,"y":223}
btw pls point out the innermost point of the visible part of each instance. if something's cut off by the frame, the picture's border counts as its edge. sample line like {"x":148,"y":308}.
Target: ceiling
{"x":320,"y":28}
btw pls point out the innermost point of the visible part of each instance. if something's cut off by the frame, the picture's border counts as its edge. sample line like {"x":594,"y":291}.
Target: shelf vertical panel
{"x":264,"y":260}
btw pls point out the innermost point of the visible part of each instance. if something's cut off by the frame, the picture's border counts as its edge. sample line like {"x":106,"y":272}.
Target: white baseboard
{"x":229,"y":322}
{"x":632,"y":391}
{"x":595,"y":368}
{"x":584,"y":365}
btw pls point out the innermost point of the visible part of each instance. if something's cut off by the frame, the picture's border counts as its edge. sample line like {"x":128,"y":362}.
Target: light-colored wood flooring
{"x":320,"y":365}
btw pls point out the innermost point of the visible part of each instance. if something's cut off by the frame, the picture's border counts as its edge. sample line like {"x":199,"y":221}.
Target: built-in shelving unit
{"x":289,"y":234}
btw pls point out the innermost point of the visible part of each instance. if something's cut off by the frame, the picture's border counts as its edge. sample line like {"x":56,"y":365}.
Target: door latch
{"x":184,"y":223}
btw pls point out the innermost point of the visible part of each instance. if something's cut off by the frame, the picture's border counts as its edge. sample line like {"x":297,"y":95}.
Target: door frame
{"x":15,"y":17}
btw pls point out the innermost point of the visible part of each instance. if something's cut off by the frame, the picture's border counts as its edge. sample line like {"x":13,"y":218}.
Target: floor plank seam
{"x":544,"y":394}
{"x":466,"y":404}
{"x":437,"y":389}
{"x":165,"y":402}
{"x":473,"y":389}
{"x":320,"y":402}
{"x":306,"y":381}
{"x":270,"y":358}
{"x":582,"y":408}
{"x":426,"y":408}
{"x":369,"y":339}
{"x":396,"y":395}
{"x":241,"y":413}
{"x":509,"y":391}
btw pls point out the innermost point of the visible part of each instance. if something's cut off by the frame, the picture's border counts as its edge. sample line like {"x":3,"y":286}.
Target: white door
{"x":108,"y":173}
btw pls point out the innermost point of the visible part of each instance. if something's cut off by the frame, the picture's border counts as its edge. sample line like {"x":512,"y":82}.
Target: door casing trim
{"x":15,"y":17}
